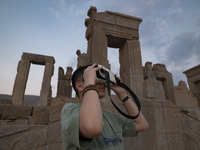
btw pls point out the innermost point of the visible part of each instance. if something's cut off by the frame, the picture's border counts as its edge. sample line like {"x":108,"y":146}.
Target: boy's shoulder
{"x":72,"y":103}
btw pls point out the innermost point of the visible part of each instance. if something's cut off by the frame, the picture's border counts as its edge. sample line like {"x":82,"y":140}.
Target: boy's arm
{"x":90,"y":116}
{"x":140,"y":122}
{"x":90,"y":121}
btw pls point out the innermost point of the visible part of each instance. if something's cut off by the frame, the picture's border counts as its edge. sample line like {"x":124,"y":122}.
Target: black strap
{"x":137,"y":102}
{"x":125,"y":99}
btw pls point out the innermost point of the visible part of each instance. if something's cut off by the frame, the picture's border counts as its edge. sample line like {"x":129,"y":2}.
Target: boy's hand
{"x":89,"y":74}
{"x":121,"y":93}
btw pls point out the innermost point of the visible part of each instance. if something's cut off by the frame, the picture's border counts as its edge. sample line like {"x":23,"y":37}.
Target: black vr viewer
{"x":105,"y":75}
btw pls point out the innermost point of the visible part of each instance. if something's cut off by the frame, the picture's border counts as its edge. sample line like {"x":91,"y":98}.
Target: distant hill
{"x":28,"y":99}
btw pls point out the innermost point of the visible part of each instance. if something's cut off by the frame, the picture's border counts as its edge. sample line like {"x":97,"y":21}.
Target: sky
{"x":169,"y":34}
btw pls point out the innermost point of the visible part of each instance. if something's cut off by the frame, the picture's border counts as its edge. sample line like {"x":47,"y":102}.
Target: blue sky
{"x":169,"y":34}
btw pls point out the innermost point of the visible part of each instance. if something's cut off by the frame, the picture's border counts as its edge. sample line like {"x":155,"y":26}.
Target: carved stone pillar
{"x":20,"y":82}
{"x":131,"y":69}
{"x":97,"y":47}
{"x":64,"y":82}
{"x":45,"y":93}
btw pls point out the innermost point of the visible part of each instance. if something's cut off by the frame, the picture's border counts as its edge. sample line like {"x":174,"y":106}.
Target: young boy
{"x":86,"y":126}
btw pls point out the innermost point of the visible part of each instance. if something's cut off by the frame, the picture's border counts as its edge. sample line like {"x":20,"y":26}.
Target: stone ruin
{"x":173,"y":112}
{"x":22,"y":76}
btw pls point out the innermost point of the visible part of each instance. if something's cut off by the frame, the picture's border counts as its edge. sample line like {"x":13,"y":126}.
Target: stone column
{"x":45,"y":92}
{"x":97,"y":51}
{"x":131,"y":69}
{"x":20,"y":82}
{"x":64,"y":87}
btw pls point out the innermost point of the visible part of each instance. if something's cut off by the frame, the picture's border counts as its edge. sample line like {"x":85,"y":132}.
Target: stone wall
{"x":30,"y":126}
{"x":172,"y":125}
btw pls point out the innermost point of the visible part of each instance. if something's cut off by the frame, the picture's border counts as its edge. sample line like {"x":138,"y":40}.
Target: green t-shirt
{"x":122,"y":126}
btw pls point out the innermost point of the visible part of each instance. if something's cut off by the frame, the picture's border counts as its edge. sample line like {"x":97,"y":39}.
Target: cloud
{"x":65,"y":10}
{"x":158,"y":18}
{"x":181,"y":54}
{"x":161,"y":32}
{"x":183,"y":46}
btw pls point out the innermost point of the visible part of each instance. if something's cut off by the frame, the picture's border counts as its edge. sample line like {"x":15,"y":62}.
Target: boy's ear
{"x":79,"y":86}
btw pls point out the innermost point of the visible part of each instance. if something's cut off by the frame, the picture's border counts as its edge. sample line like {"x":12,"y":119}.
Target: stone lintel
{"x":38,"y":59}
{"x":124,"y":15}
{"x":114,"y":18}
{"x":192,"y":71}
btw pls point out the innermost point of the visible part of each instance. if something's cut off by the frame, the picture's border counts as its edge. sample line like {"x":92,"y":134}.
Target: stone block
{"x":172,"y":126}
{"x":175,"y":142}
{"x":41,"y":110}
{"x":54,"y":133}
{"x":10,"y":112}
{"x":184,"y":97}
{"x":149,"y":136}
{"x":159,"y":116}
{"x":39,"y":120}
{"x":165,"y":116}
{"x":55,"y":113}
{"x":40,"y":115}
{"x":56,"y":108}
{"x":22,"y":137}
{"x":189,"y":118}
{"x":162,"y":143}
{"x":5,"y":101}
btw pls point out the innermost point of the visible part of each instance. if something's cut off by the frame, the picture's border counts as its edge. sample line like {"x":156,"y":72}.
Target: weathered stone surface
{"x":184,"y":97}
{"x":40,"y":115}
{"x":45,"y":93}
{"x":158,"y":82}
{"x":82,"y":58}
{"x":20,"y":82}
{"x":193,"y":77}
{"x":54,"y":146}
{"x":54,"y":133}
{"x":19,"y":137}
{"x":10,"y":112}
{"x":5,"y":101}
{"x":190,"y":117}
{"x":14,"y":122}
{"x":56,"y":107}
{"x":64,"y":82}
{"x":154,"y":89}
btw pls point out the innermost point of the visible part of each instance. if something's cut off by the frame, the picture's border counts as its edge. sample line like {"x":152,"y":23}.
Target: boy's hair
{"x":78,"y":77}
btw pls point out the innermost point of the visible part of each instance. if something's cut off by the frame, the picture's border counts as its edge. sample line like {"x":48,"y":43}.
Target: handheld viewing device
{"x":105,"y":75}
